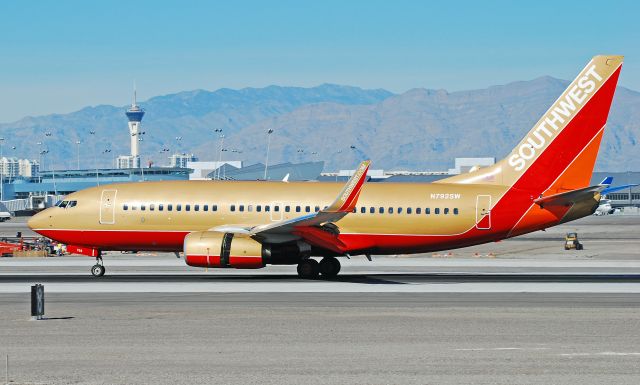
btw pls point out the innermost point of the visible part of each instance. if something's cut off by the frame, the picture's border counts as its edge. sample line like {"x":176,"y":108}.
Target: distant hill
{"x":419,"y":129}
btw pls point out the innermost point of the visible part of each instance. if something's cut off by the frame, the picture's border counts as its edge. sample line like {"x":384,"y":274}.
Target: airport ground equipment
{"x":571,"y":242}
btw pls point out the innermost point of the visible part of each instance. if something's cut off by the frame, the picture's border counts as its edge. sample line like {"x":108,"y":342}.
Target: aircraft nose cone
{"x":37,"y":221}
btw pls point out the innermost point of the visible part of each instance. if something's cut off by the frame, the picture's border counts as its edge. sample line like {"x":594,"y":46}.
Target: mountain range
{"x":420,"y":129}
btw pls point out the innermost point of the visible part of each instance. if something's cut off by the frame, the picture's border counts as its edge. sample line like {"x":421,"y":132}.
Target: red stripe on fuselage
{"x":119,"y":240}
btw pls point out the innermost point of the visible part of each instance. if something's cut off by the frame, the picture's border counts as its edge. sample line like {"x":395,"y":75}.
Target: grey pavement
{"x":521,"y":311}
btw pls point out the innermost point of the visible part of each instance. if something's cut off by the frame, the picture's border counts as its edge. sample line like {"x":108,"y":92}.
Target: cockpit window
{"x":63,"y":204}
{"x":72,"y":204}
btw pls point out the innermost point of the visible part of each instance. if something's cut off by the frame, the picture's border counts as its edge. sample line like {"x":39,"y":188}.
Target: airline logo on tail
{"x":560,"y":113}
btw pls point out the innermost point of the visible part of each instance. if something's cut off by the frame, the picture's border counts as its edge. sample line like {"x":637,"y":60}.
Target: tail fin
{"x":607,"y":181}
{"x":561,"y":149}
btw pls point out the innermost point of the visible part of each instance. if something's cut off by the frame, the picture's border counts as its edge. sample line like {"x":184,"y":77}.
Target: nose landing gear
{"x":98,"y":270}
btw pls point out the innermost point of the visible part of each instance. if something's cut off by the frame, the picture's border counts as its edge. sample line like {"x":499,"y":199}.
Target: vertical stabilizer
{"x":561,"y":149}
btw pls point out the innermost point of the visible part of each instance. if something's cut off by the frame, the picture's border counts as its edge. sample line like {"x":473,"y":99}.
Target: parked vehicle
{"x":571,"y":242}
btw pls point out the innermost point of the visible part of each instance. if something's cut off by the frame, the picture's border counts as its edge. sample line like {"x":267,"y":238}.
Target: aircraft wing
{"x":318,"y":228}
{"x":570,"y":197}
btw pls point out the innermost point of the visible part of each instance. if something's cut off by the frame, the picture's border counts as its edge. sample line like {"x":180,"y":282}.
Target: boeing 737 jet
{"x":543,"y":182}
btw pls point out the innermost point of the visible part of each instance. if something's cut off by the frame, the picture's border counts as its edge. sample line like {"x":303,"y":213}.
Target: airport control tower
{"x":134,"y":114}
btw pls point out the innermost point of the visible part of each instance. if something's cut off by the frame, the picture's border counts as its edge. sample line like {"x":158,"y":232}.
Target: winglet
{"x":348,"y":197}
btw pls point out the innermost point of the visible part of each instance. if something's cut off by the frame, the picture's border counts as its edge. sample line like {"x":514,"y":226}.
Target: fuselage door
{"x":276,"y":211}
{"x":483,"y":212}
{"x":108,"y":207}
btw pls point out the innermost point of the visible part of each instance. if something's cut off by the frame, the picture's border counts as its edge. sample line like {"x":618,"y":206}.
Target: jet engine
{"x":214,"y":249}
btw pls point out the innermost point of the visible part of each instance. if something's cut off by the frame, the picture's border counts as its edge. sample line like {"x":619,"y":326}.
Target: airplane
{"x":542,"y":182}
{"x":605,"y":207}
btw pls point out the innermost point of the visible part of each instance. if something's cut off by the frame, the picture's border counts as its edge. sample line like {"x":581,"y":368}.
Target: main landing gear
{"x":329,"y":267}
{"x":97,"y":270}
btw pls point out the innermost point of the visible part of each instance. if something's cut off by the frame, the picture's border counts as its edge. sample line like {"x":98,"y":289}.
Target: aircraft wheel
{"x":308,"y":269}
{"x":329,"y":267}
{"x":97,"y":270}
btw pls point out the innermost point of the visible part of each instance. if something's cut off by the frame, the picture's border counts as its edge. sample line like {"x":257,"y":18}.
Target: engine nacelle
{"x":214,"y":249}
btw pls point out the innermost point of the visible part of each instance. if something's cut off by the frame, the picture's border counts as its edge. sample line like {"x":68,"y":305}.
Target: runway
{"x":324,"y":338}
{"x":522,"y":311}
{"x":385,"y":275}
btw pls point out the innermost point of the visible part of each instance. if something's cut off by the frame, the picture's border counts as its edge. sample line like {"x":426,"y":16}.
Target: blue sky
{"x":59,"y":56}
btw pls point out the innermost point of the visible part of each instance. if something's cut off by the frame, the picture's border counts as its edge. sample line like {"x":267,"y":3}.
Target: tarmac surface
{"x":522,"y":311}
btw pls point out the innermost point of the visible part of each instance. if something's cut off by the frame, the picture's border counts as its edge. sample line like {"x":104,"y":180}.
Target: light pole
{"x":266,"y":162}
{"x":220,"y":156}
{"x":178,"y":141}
{"x":41,"y":168}
{"x":48,"y":134}
{"x":78,"y":153}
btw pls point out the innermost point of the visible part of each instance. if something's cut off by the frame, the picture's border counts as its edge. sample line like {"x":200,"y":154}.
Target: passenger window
{"x":287,"y":208}
{"x":258,"y":208}
{"x":446,"y":211}
{"x":455,"y":211}
{"x":241,"y":208}
{"x":399,"y":210}
{"x":250,"y":208}
{"x":133,"y":207}
{"x":427,"y":211}
{"x":142,"y":207}
{"x":152,"y":207}
{"x":267,"y":208}
{"x":233,"y":207}
{"x":170,"y":207}
{"x":297,"y":209}
{"x":381,"y":210}
{"x":205,"y":207}
{"x":372,"y":210}
{"x":317,"y":208}
{"x":354,"y":210}
{"x":307,"y":209}
{"x":125,"y":206}
{"x":276,"y":208}
{"x":409,"y":210}
{"x":436,"y":211}
{"x":196,"y":207}
{"x":161,"y":207}
{"x":390,"y":210}
{"x":187,"y":207}
{"x":418,"y":210}
{"x":214,"y":207}
{"x":363,"y":209}
{"x":179,"y":207}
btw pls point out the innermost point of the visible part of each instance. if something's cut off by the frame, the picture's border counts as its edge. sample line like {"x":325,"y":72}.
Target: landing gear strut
{"x":97,"y":270}
{"x":329,"y":267}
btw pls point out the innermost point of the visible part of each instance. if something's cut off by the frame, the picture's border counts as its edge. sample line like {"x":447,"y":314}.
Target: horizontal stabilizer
{"x":570,"y":197}
{"x":608,"y":189}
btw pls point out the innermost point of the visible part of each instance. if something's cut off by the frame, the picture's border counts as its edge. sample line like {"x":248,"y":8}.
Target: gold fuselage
{"x":408,"y":209}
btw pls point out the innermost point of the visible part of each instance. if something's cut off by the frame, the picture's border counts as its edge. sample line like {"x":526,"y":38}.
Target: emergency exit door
{"x":108,"y":207}
{"x":483,"y":212}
